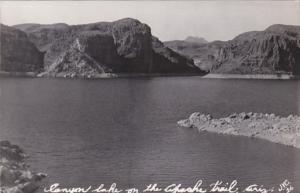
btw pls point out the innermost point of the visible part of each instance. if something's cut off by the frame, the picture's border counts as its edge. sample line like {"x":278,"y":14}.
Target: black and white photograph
{"x":150,"y":96}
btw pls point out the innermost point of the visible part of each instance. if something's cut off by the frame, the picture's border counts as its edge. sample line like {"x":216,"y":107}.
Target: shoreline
{"x":18,"y":74}
{"x":252,"y":76}
{"x":96,"y":76}
{"x":270,"y":127}
{"x":137,"y":75}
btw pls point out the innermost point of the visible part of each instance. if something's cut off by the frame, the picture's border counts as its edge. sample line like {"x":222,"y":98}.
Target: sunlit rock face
{"x":90,"y":54}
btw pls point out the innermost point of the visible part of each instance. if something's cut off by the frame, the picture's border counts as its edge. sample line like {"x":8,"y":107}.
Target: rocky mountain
{"x":17,"y":52}
{"x":123,"y":46}
{"x":127,"y":46}
{"x":274,"y":50}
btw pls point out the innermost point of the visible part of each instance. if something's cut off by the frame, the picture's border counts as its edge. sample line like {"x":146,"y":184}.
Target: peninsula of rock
{"x":282,"y":130}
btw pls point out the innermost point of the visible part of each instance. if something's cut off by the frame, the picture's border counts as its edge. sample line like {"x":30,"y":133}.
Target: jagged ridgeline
{"x":274,"y":50}
{"x":123,"y":46}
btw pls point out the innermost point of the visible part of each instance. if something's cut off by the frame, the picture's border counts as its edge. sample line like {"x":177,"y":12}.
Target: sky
{"x":169,"y":20}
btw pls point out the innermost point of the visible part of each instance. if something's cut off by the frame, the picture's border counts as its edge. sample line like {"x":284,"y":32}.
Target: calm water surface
{"x":88,"y":132}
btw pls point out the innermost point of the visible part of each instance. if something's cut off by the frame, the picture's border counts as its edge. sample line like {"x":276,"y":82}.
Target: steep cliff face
{"x":133,"y":41}
{"x":123,"y":46}
{"x":275,"y":50}
{"x":18,"y":54}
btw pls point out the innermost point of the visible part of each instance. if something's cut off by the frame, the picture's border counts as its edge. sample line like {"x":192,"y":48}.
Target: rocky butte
{"x":89,"y":50}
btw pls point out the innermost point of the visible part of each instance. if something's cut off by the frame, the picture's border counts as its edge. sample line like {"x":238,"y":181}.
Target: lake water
{"x":88,"y":132}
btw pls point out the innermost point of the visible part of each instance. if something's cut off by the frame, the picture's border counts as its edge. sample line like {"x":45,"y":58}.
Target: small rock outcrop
{"x":283,"y":130}
{"x":123,"y":46}
{"x":17,"y":53}
{"x":15,"y":176}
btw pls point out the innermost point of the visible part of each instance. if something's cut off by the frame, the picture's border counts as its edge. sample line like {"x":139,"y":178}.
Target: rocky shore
{"x":282,"y":130}
{"x":15,"y":176}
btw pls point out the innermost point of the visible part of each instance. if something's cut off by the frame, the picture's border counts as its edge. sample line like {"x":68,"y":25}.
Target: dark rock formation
{"x":275,"y":50}
{"x":123,"y":46}
{"x":14,"y":174}
{"x":18,"y":54}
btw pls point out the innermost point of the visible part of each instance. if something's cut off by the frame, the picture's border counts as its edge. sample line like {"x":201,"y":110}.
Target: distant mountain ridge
{"x":202,"y":52}
{"x":194,"y":39}
{"x":123,"y":46}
